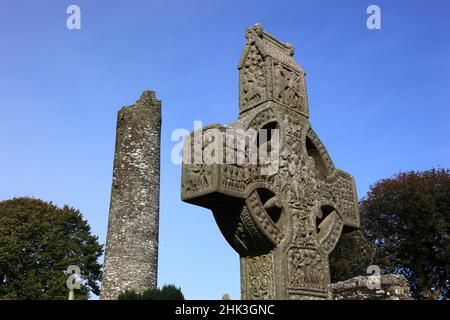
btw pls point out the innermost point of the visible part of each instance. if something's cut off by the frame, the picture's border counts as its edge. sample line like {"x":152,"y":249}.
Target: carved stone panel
{"x":257,"y":274}
{"x":252,"y":79}
{"x":307,"y":272}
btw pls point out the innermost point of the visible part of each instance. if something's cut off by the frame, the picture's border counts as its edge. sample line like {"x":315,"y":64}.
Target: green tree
{"x":167,"y":292}
{"x":405,"y":223}
{"x":351,"y":257}
{"x":38,"y":241}
{"x":408,"y":218}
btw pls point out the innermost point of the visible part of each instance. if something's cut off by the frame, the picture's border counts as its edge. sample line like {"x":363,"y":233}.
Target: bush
{"x":167,"y":292}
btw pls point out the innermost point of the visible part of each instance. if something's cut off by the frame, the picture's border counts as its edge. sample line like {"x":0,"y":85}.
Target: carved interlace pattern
{"x":260,"y":277}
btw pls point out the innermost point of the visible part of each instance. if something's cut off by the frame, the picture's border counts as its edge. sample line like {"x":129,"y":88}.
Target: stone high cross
{"x":283,"y":223}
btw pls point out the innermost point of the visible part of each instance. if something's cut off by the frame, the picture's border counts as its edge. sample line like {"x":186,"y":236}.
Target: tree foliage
{"x":167,"y":292}
{"x":38,"y":241}
{"x":407,"y":218}
{"x":351,"y":257}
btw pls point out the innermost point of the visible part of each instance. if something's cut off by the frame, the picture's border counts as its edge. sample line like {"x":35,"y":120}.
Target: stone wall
{"x":393,"y":287}
{"x":131,"y":254}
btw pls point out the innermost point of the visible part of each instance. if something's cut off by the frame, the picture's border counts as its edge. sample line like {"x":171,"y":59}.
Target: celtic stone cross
{"x":284,"y":212}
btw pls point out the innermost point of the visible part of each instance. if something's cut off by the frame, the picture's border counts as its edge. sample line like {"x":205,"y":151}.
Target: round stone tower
{"x":131,"y":255}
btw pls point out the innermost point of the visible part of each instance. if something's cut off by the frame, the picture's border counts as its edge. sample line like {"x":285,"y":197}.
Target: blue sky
{"x":379,"y":100}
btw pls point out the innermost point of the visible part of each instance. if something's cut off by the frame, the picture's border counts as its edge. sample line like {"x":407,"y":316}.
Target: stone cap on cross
{"x":268,"y":72}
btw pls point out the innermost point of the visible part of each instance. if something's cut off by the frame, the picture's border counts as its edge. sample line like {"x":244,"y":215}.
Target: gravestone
{"x":284,"y":212}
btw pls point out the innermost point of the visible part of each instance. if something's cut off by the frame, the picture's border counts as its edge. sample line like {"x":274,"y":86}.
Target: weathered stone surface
{"x":393,"y":287}
{"x":131,"y":254}
{"x":285,"y":212}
